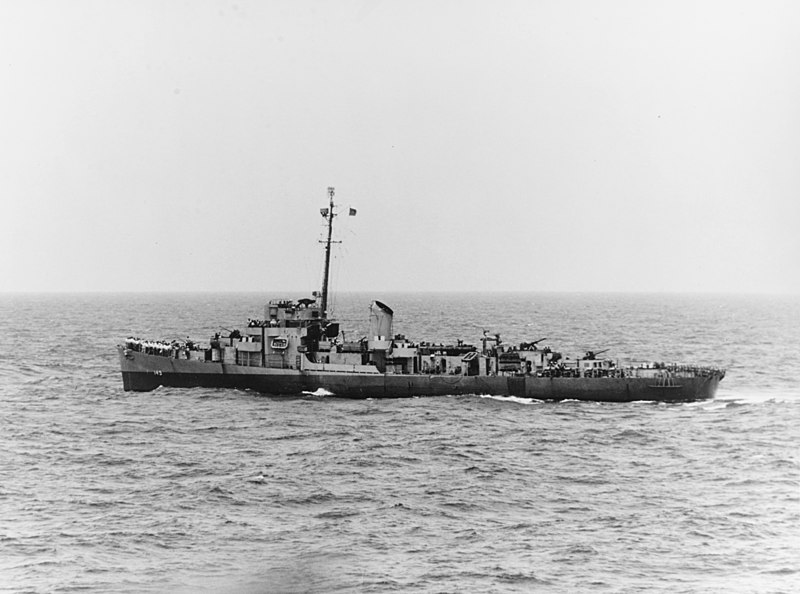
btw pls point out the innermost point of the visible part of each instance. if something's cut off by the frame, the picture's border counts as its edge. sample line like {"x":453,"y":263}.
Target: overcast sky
{"x":487,"y":145}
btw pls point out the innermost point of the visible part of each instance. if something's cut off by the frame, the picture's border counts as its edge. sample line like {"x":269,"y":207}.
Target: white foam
{"x":760,"y":398}
{"x":712,"y":405}
{"x":744,"y":399}
{"x":696,"y":403}
{"x":319,"y":392}
{"x":516,"y":399}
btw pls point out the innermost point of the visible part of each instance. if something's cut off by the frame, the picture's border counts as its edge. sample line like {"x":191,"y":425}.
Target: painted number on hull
{"x":157,"y":372}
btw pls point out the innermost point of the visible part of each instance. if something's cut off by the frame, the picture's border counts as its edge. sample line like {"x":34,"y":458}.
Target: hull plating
{"x":142,"y":372}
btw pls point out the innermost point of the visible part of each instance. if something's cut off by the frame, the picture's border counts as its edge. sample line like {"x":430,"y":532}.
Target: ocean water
{"x":202,"y":490}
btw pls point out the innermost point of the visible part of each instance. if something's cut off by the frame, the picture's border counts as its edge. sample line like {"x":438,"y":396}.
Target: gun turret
{"x":591,"y":355}
{"x":527,"y":346}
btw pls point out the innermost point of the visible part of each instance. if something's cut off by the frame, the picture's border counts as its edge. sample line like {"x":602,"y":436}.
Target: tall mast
{"x":329,"y":217}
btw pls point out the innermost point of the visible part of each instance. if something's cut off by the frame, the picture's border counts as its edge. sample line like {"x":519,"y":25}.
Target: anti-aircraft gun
{"x":592,"y":355}
{"x":591,"y":366}
{"x":530,"y":346}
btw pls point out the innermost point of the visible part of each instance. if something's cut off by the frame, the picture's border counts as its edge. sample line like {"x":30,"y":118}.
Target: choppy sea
{"x":200,"y":490}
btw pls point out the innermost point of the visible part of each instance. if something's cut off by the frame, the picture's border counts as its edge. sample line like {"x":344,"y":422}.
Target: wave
{"x":264,"y":488}
{"x":337,"y":514}
{"x":744,"y":401}
{"x":768,"y":397}
{"x":522,"y":578}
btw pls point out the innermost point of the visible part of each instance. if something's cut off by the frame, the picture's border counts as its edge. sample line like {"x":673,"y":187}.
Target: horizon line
{"x":399,"y":291}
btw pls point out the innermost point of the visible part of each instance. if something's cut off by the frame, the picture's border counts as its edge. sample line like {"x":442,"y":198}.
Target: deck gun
{"x":530,"y":346}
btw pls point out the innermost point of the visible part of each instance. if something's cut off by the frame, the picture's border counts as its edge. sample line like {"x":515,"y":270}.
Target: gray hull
{"x":142,"y":372}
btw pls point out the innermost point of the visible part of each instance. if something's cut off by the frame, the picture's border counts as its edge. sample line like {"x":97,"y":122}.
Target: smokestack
{"x":380,"y":321}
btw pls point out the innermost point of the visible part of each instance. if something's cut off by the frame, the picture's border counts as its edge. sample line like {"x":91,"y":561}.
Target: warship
{"x":297,"y":349}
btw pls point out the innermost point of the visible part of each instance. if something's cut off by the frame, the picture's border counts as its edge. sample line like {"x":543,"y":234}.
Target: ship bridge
{"x":286,"y":313}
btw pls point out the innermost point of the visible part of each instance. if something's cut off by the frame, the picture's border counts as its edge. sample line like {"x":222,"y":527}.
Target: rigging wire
{"x":336,"y":255}
{"x":341,"y":256}
{"x":321,"y":261}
